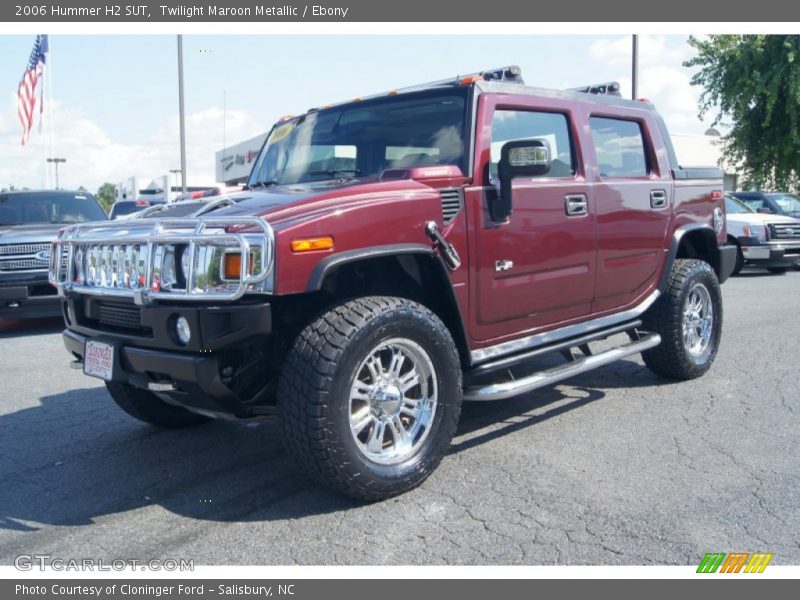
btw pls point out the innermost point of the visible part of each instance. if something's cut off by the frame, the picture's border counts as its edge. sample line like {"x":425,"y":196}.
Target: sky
{"x":115,"y":98}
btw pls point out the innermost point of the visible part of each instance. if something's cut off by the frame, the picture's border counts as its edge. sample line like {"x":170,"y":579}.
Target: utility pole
{"x":635,"y":67}
{"x":175,"y":172}
{"x":55,"y":161}
{"x":181,"y":111}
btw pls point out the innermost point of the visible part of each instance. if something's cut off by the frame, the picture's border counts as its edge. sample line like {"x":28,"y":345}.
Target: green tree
{"x":106,"y":195}
{"x":752,"y":83}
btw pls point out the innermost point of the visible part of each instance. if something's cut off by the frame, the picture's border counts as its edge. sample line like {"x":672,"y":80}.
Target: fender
{"x":721,"y":261}
{"x":333,"y":262}
{"x":455,"y":320}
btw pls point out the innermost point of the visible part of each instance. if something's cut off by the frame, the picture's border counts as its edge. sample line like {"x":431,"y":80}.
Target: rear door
{"x":537,"y":268}
{"x":633,"y":197}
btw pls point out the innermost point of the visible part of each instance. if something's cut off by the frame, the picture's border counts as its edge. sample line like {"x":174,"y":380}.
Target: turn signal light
{"x":232,"y":265}
{"x":310,"y":244}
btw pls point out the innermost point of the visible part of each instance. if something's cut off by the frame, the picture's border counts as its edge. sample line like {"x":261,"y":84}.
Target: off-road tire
{"x":671,"y":358}
{"x":314,"y":394}
{"x":147,"y":407}
{"x":778,"y":270}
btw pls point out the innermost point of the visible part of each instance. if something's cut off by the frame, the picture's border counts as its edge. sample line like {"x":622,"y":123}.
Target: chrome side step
{"x":501,"y":391}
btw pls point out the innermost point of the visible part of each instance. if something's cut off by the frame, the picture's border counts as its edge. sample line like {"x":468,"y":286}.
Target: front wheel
{"x":778,"y":270}
{"x":370,"y":396}
{"x":688,"y":317}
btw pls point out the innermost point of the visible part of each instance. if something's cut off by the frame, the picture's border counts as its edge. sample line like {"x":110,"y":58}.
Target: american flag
{"x":26,"y":94}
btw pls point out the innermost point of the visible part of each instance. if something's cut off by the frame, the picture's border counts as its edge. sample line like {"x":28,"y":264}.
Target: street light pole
{"x":182,"y":115}
{"x":55,"y":161}
{"x":635,"y":67}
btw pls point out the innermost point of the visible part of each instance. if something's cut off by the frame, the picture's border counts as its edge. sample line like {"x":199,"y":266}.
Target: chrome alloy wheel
{"x":698,"y":320}
{"x":393,"y":401}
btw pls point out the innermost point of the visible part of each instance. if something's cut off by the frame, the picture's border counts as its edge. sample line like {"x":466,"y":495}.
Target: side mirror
{"x":517,"y":159}
{"x":764,"y":211}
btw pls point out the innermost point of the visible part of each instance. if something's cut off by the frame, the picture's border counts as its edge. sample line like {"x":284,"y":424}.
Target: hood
{"x":288,"y":202}
{"x":760,"y":218}
{"x":34,"y":233}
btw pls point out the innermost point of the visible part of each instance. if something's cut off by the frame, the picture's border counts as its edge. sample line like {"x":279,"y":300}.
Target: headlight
{"x":169,"y":276}
{"x":759,"y":232}
{"x":185,"y":262}
{"x":80,"y":276}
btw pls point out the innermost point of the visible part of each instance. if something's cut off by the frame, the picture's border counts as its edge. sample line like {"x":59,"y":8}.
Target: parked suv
{"x":397,"y":254}
{"x":124,"y":208}
{"x":762,"y":240}
{"x":29,"y":221}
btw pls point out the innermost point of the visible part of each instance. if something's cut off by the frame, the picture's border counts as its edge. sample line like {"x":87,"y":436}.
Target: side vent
{"x":451,"y":205}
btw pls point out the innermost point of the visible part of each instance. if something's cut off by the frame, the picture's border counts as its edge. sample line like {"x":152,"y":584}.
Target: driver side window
{"x":553,"y":128}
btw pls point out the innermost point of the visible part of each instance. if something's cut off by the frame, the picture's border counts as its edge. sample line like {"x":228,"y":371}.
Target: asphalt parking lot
{"x":613,"y":467}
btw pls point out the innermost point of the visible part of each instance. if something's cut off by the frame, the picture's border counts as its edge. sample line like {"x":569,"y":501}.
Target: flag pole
{"x":49,"y":69}
{"x":45,"y":126}
{"x":182,"y":115}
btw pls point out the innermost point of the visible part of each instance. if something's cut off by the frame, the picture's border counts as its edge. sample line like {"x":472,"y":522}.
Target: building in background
{"x":234,"y":163}
{"x":158,"y":190}
{"x":705,"y":150}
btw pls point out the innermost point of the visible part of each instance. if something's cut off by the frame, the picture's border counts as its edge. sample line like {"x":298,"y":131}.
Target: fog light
{"x":182,"y":330}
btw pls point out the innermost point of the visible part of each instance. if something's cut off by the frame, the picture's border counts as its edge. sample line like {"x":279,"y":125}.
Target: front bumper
{"x":770,"y":254}
{"x":192,"y":375}
{"x":27,"y":295}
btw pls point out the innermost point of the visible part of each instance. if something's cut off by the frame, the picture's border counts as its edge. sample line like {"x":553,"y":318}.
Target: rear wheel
{"x":370,"y":396}
{"x":148,"y":407}
{"x":688,"y":317}
{"x":777,"y":270}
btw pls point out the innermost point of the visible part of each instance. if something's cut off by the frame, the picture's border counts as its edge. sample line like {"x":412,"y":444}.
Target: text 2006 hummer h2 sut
{"x":393,"y":255}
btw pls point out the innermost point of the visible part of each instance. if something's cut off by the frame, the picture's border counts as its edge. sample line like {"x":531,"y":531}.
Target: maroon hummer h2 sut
{"x":393,"y":255}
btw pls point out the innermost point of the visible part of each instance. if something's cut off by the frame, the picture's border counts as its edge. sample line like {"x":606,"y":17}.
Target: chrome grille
{"x":784,"y":231}
{"x":23,"y":257}
{"x":12,"y":249}
{"x":451,"y":205}
{"x":175,"y":259}
{"x":23,"y":264}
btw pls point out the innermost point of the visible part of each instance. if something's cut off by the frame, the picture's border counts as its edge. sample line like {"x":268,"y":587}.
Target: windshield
{"x":126,"y":208}
{"x":362,"y":140}
{"x":786,"y":202}
{"x":48,"y":207}
{"x":732,"y":206}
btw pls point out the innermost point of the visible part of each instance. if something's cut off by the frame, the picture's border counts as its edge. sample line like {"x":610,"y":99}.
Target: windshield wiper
{"x":264,"y":184}
{"x":334,"y":172}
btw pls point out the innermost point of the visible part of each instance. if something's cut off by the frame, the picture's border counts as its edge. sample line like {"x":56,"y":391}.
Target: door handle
{"x":658,"y":199}
{"x":576,"y":205}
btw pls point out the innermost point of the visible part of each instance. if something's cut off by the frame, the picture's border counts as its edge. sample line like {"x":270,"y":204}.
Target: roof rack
{"x":610,"y":88}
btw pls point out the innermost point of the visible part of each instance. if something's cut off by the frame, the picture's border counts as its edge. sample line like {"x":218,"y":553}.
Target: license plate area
{"x":99,"y":359}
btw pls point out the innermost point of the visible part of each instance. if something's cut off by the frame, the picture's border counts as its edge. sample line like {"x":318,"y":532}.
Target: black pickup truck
{"x":29,"y":221}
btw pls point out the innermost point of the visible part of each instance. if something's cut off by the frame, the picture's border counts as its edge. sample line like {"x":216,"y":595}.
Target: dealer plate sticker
{"x":98,"y":360}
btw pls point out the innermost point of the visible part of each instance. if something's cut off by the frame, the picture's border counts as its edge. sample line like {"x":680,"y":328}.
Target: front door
{"x":538,"y":267}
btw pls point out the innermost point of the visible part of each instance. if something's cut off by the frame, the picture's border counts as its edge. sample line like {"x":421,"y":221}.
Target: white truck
{"x":763,"y":240}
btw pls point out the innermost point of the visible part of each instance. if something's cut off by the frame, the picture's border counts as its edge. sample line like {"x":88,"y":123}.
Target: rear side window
{"x":510,"y":125}
{"x":619,"y":146}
